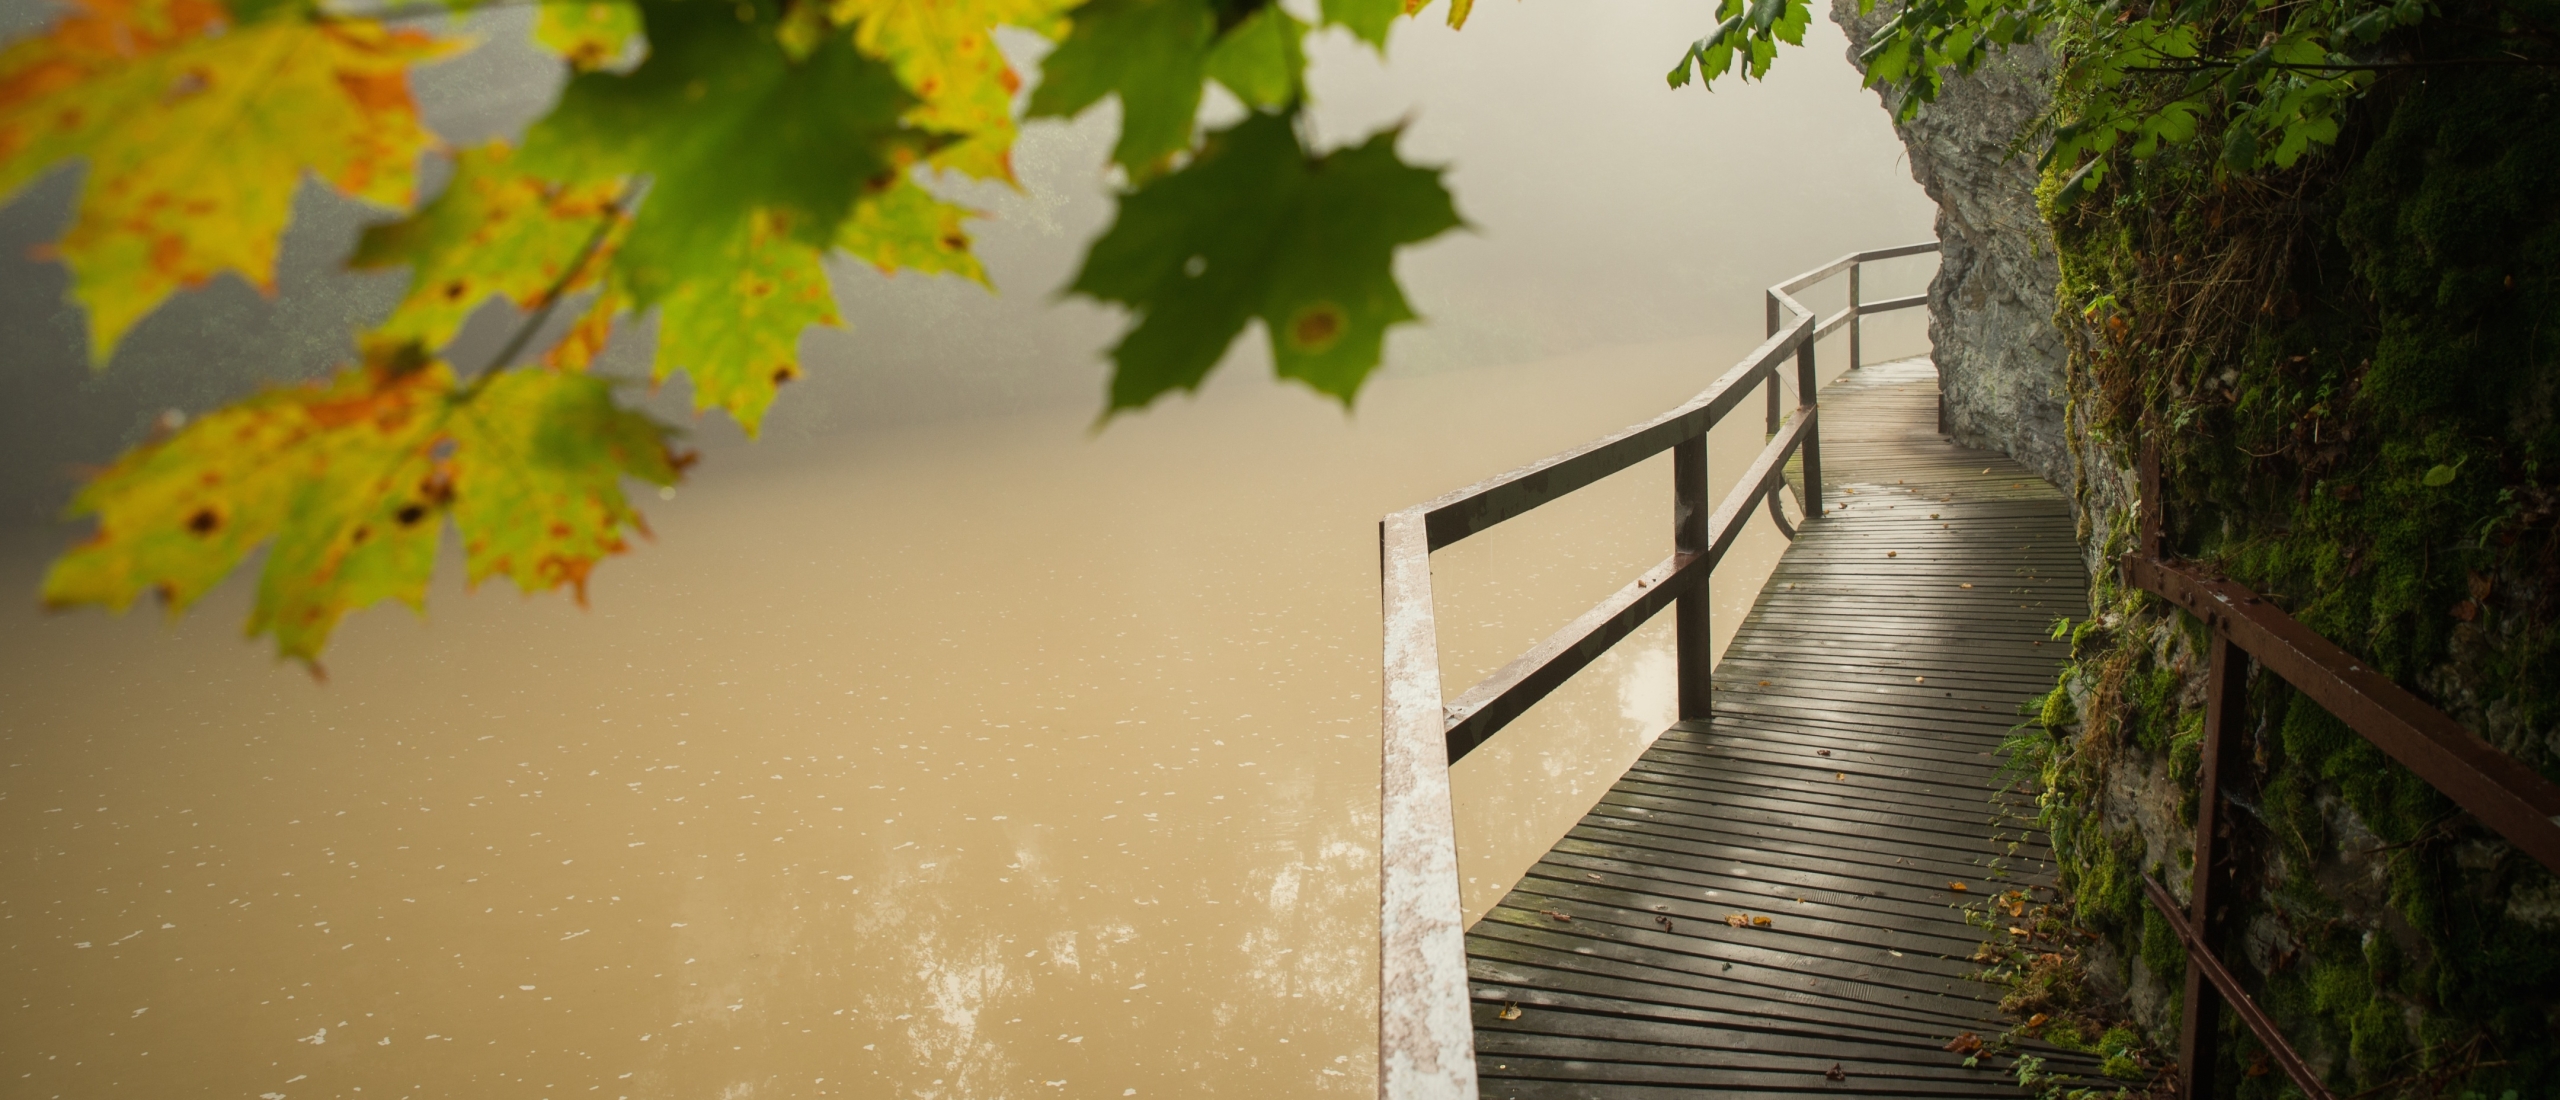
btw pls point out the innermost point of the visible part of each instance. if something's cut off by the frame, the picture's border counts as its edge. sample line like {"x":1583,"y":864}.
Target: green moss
{"x":2392,"y":312}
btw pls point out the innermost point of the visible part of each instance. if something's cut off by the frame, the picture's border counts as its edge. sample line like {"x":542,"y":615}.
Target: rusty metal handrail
{"x":2497,"y":789}
{"x":1426,"y":1042}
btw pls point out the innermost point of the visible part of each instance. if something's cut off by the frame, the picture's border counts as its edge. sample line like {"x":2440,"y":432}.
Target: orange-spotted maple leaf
{"x":906,"y":228}
{"x":196,"y":130}
{"x":538,"y":461}
{"x":348,"y":483}
{"x":735,"y":329}
{"x":945,"y":52}
{"x":493,"y":231}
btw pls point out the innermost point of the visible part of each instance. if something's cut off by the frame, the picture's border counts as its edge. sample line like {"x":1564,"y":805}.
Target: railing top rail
{"x":1898,"y":251}
{"x":1456,"y":515}
{"x":2506,"y":795}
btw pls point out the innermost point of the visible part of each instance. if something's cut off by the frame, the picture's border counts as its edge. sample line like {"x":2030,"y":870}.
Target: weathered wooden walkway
{"x":1847,"y":781}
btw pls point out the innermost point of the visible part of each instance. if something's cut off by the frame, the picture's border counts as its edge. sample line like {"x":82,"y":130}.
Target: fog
{"x":938,"y":744}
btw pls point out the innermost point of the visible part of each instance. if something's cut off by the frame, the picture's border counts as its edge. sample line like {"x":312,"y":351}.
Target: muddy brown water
{"x":983,"y":757}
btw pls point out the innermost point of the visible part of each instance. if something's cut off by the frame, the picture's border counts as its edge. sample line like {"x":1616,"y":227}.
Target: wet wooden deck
{"x":1849,"y":777}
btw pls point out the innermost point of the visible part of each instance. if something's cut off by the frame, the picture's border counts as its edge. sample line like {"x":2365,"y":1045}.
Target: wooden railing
{"x":2496,"y":789}
{"x":1426,"y":1042}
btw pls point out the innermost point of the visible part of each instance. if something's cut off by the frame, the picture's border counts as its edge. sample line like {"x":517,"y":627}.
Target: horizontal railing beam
{"x":2501,"y":791}
{"x":1482,"y":710}
{"x":1832,"y":323}
{"x":1888,"y":305}
{"x":1897,"y":252}
{"x":2200,"y":957}
{"x":1493,"y":500}
{"x":1817,"y":274}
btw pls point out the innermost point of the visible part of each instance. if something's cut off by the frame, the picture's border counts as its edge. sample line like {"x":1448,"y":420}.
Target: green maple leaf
{"x":726,"y":122}
{"x":1370,"y":19}
{"x":736,"y":329}
{"x":1263,"y":60}
{"x":1150,"y":53}
{"x":1253,"y":227}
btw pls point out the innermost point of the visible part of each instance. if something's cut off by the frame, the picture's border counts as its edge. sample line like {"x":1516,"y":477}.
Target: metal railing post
{"x":2226,"y":712}
{"x":1856,"y":321}
{"x":1690,"y":509}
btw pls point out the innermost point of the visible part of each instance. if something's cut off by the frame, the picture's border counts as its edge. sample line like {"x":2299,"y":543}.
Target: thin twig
{"x":558,"y":289}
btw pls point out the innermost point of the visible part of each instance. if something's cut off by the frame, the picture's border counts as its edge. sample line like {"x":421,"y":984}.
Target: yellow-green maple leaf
{"x":945,"y":52}
{"x":590,"y":34}
{"x":907,"y":228}
{"x":494,"y":230}
{"x":196,"y":132}
{"x":538,"y":462}
{"x":348,"y":483}
{"x":735,"y":327}
{"x":338,"y":473}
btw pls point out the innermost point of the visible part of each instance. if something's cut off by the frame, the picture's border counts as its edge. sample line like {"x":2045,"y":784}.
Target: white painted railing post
{"x":1426,"y":1040}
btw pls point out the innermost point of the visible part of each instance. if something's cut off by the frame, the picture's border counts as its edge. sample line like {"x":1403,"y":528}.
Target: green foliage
{"x":1256,"y":227}
{"x":1750,"y":30}
{"x":1152,"y":54}
{"x":2350,"y":369}
{"x":727,"y":124}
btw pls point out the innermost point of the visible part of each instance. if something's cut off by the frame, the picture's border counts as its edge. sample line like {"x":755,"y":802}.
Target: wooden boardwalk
{"x":1848,"y":778}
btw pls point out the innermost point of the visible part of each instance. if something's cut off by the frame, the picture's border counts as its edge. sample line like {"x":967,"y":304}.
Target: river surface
{"x":935,"y":754}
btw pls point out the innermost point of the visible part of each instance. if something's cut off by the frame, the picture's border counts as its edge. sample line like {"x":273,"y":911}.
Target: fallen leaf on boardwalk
{"x":1919,"y":679}
{"x":1760,"y":922}
{"x":1509,"y":1012}
{"x":1964,"y":586}
{"x":1822,"y":752}
{"x":1764,"y":683}
{"x":2014,"y":930}
{"x":1568,"y":917}
{"x":1839,"y":777}
{"x":1737,"y":920}
{"x":2037,"y":1020}
{"x":1965,"y":1044}
{"x":1665,"y":922}
{"x":1958,"y":887}
{"x":1893,"y":553}
{"x":1835,"y":1073}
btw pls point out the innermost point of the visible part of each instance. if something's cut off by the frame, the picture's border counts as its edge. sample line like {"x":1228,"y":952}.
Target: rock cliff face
{"x":2000,"y":360}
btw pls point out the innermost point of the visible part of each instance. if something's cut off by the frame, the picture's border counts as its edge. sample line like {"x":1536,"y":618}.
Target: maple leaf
{"x":1151,"y":53}
{"x":944,"y":51}
{"x":196,"y":133}
{"x":538,"y":462}
{"x":907,"y":228}
{"x":176,"y":514}
{"x":348,"y":482}
{"x":1369,"y":20}
{"x":1263,"y":60}
{"x":589,"y":34}
{"x":1253,"y":227}
{"x":337,"y":473}
{"x":493,"y":231}
{"x":727,"y":123}
{"x":736,"y":329}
